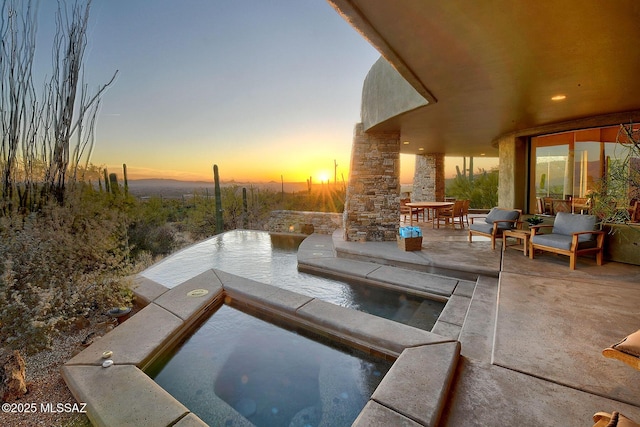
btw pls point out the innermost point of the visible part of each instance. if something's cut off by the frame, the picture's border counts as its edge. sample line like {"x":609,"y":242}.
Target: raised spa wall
{"x":303,"y":222}
{"x":412,"y":393}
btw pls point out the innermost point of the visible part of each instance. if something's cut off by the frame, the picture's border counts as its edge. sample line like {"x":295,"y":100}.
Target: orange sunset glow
{"x":274,"y":168}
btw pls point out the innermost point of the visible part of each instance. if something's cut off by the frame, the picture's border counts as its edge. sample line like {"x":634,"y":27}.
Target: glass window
{"x":568,"y":166}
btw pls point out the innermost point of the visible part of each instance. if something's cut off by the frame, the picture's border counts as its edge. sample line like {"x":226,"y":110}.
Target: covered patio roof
{"x":493,"y":67}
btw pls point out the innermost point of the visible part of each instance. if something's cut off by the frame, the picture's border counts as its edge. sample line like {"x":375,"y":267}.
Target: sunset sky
{"x":263,"y":89}
{"x":260,"y":88}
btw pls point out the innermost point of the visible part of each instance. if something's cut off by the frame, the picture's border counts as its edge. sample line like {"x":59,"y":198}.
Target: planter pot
{"x":622,"y":243}
{"x":120,"y":313}
{"x":307,"y":229}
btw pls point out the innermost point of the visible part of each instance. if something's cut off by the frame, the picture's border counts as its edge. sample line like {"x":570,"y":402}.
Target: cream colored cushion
{"x":630,"y":344}
{"x":624,"y":422}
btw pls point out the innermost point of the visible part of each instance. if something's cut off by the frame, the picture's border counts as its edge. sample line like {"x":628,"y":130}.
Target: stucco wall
{"x":386,"y":94}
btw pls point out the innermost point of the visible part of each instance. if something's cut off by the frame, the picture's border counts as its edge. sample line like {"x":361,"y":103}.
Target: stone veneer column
{"x":512,"y":173}
{"x":428,"y":178}
{"x":372,"y":206}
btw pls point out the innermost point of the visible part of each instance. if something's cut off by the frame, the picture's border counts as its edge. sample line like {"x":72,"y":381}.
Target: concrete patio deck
{"x":531,"y":341}
{"x":531,"y":333}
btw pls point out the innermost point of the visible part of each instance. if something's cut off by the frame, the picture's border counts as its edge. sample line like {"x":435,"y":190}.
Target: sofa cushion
{"x":561,"y":241}
{"x":482,"y":227}
{"x":568,"y":223}
{"x":497,"y":214}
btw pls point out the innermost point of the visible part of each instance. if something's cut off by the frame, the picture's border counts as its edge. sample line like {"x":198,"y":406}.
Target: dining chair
{"x":452,"y":215}
{"x":465,"y":210}
{"x":407,"y":210}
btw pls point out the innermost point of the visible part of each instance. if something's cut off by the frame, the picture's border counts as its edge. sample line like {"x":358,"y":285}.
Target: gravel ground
{"x":46,"y":386}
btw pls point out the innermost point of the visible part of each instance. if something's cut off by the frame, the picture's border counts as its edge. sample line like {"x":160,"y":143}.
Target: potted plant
{"x":534,"y":220}
{"x":612,"y":196}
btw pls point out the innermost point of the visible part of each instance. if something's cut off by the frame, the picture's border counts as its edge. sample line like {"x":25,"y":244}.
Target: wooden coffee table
{"x":519,"y":235}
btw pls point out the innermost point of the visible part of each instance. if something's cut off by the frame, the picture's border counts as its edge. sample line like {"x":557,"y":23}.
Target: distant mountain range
{"x":173,"y":188}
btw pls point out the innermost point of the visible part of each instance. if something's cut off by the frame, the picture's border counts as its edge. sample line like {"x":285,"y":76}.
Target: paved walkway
{"x":533,"y":332}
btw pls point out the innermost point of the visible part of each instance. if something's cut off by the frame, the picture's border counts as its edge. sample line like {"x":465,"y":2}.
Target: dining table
{"x":432,"y":207}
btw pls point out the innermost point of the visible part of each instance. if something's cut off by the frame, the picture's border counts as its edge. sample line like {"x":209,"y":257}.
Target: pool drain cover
{"x":197,"y":293}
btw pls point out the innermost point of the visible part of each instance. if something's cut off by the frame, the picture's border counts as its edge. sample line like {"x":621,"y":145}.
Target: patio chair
{"x":497,"y":221}
{"x":580,"y":205}
{"x":406,"y":210}
{"x":615,"y":419}
{"x":572,"y":235}
{"x":465,"y":210}
{"x":452,"y":215}
{"x":627,"y":350}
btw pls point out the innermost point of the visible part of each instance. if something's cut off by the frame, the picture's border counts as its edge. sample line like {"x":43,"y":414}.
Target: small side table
{"x":519,"y":235}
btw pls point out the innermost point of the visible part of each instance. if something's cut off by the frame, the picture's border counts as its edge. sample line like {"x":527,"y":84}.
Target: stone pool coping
{"x":413,"y":392}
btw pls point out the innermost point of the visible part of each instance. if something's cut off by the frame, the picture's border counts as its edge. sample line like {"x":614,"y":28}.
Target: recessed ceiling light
{"x":406,"y":143}
{"x":559,"y":98}
{"x":420,"y":149}
{"x":482,"y":154}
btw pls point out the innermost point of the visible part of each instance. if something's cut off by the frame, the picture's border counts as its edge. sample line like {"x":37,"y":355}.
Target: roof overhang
{"x":489,"y":68}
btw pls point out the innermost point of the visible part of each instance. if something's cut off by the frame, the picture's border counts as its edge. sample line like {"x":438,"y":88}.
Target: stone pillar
{"x":372,"y":206}
{"x":428,"y":178}
{"x":512,"y":173}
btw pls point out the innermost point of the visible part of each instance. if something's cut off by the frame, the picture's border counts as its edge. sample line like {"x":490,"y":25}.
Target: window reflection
{"x":568,"y":166}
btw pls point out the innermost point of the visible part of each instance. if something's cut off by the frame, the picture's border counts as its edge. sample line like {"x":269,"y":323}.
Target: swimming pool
{"x":238,"y":367}
{"x":181,"y":293}
{"x":253,"y":255}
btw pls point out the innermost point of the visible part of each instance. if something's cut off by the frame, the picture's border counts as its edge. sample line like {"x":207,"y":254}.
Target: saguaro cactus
{"x":113,"y":184}
{"x":218,"y":195}
{"x":106,"y":180}
{"x":126,"y":181}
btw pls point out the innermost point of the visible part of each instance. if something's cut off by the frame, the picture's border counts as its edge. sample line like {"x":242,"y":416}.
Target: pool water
{"x":253,"y":255}
{"x":269,"y":375}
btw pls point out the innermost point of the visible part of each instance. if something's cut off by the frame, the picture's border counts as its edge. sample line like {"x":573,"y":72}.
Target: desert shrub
{"x":58,"y":264}
{"x":482,"y":190}
{"x":200,"y":219}
{"x":145,"y":237}
{"x":260,"y":203}
{"x":200,"y":222}
{"x":149,"y":231}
